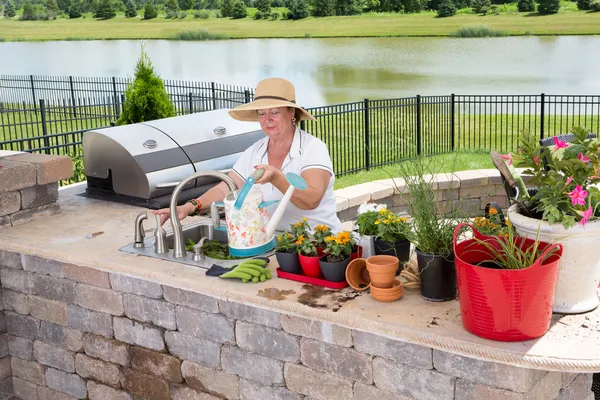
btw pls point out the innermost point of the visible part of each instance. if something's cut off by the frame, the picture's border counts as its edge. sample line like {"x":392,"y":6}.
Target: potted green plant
{"x":286,"y":252}
{"x":506,"y":283}
{"x":564,"y":208}
{"x":337,"y":256}
{"x":308,"y":256}
{"x":366,"y":216}
{"x":391,"y":236}
{"x":321,"y":232}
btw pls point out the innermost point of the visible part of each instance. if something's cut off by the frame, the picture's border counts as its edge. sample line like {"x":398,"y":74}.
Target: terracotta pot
{"x":382,"y":270}
{"x":388,"y":294}
{"x":357,"y":253}
{"x":357,"y":275}
{"x":288,"y":262}
{"x":310,"y":266}
{"x":334,"y":271}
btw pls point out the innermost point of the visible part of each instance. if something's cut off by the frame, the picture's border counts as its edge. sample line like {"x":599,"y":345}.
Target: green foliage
{"x":548,"y":6}
{"x":412,"y":6}
{"x":583,"y":4}
{"x":339,"y":247}
{"x":526,"y":5}
{"x":274,"y":16}
{"x":227,"y":8}
{"x":203,"y":14}
{"x":51,"y":7}
{"x":286,"y":243}
{"x":298,"y":9}
{"x":306,"y":247}
{"x":349,"y":7}
{"x":78,"y":169}
{"x":106,"y":10}
{"x":130,"y":10}
{"x":172,"y":8}
{"x":30,"y":12}
{"x":150,"y":10}
{"x":201,"y":34}
{"x":186,"y":4}
{"x":239,"y":10}
{"x":263,"y":6}
{"x":320,"y":233}
{"x":391,"y":228}
{"x":390,"y":6}
{"x":9,"y":9}
{"x":322,"y":8}
{"x":477,"y":31}
{"x":481,"y":6}
{"x":75,"y":9}
{"x":595,"y":5}
{"x":146,"y":98}
{"x":258,"y":15}
{"x":446,"y":9}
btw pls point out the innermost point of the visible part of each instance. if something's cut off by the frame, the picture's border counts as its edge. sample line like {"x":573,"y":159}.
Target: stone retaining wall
{"x":74,"y":332}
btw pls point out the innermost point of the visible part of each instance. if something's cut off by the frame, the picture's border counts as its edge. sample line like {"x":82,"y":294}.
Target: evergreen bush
{"x":446,"y":9}
{"x":322,"y":8}
{"x":130,"y":10}
{"x":146,"y":98}
{"x":595,"y":5}
{"x":239,"y":10}
{"x":105,"y":10}
{"x":548,"y":6}
{"x":298,"y":9}
{"x":9,"y":9}
{"x":75,"y":9}
{"x":150,"y":10}
{"x":258,"y":15}
{"x":263,"y":6}
{"x":526,"y":5}
{"x":481,"y":6}
{"x":583,"y":4}
{"x":172,"y":8}
{"x":227,"y":8}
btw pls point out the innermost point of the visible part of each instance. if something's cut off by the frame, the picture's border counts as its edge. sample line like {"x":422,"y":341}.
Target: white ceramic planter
{"x":368,"y":245}
{"x":577,"y":287}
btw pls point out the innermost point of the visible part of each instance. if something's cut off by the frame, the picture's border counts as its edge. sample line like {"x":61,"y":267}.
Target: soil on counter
{"x":320,"y":297}
{"x":275,"y":294}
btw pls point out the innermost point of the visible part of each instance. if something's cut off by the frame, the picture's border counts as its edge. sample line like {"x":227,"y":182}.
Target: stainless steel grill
{"x":141,"y":163}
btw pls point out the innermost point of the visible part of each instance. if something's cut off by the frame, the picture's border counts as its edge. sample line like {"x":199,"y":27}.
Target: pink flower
{"x":587,"y":214}
{"x":507,"y":157}
{"x":569,"y":180}
{"x":582,"y":158}
{"x":536,"y":160}
{"x":578,"y":196}
{"x":560,"y":144}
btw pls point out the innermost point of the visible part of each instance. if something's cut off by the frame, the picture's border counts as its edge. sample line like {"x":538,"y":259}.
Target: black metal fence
{"x":41,"y":114}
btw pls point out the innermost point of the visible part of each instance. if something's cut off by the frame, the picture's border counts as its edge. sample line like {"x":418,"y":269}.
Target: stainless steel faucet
{"x":178,"y":244}
{"x":139,"y":234}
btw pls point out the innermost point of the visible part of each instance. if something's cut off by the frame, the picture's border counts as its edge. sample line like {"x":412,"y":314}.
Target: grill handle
{"x":171,"y":185}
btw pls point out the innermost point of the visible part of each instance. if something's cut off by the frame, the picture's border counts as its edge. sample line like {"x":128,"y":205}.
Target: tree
{"x":130,"y":9}
{"x":9,"y":9}
{"x":51,"y":7}
{"x":548,"y":6}
{"x":323,"y":8}
{"x":446,"y":9}
{"x":29,"y":12}
{"x":172,"y":8}
{"x":526,"y":6}
{"x":298,"y":9}
{"x":227,"y":8}
{"x":145,"y":98}
{"x":239,"y":10}
{"x":483,"y":6}
{"x":150,"y":11}
{"x":264,"y":6}
{"x":75,"y":9}
{"x":187,"y":4}
{"x":348,"y":7}
{"x":412,"y":6}
{"x":64,"y":5}
{"x":105,"y":10}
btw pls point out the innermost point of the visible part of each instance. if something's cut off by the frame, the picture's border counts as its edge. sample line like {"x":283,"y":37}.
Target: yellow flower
{"x":322,"y":228}
{"x":329,"y":238}
{"x":279,"y":238}
{"x":300,"y":240}
{"x":305,"y":219}
{"x":383,"y":211}
{"x":377,"y":222}
{"x":403,"y":219}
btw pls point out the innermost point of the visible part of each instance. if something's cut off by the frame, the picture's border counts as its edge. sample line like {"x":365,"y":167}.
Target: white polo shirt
{"x":306,"y":152}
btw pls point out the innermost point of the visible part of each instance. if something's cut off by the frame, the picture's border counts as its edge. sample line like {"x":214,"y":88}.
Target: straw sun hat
{"x":270,"y":93}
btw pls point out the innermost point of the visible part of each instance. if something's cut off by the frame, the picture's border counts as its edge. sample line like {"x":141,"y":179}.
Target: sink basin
{"x":195,"y":232}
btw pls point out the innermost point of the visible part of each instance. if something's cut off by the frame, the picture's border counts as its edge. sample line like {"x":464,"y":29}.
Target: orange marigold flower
{"x":300,"y":240}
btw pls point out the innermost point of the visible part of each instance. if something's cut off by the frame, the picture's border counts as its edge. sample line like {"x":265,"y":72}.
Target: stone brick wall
{"x":28,"y":185}
{"x":75,"y":333}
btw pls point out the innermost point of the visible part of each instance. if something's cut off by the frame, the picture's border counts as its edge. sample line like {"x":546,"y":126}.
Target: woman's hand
{"x":182,"y":212}
{"x":271,"y":174}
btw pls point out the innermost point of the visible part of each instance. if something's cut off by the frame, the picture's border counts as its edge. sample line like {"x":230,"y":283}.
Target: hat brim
{"x":248,"y":112}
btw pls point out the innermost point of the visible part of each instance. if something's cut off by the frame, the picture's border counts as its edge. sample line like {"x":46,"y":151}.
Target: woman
{"x":285,"y":149}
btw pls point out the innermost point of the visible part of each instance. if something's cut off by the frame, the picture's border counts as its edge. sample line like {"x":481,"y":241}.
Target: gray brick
{"x":101,"y":371}
{"x":4,"y":344}
{"x":251,"y":391}
{"x":97,"y":391}
{"x":205,"y":325}
{"x":268,"y":342}
{"x":200,"y":351}
{"x":5,"y":222}
{"x":49,"y":394}
{"x":140,"y":287}
{"x":24,"y":390}
{"x":212,"y":381}
{"x":323,"y":331}
{"x":145,"y":386}
{"x":395,"y":350}
{"x":47,"y":310}
{"x":15,"y":301}
{"x":6,"y":386}
{"x":99,"y":299}
{"x":132,"y":332}
{"x":159,"y":364}
{"x":180,"y":392}
{"x":10,"y":202}
{"x":578,"y":389}
{"x":54,"y":356}
{"x":418,"y":383}
{"x":251,"y":366}
{"x":42,"y":266}
{"x":54,"y":288}
{"x":189,"y":299}
{"x":250,"y":314}
{"x":20,"y":347}
{"x":2,"y":323}
{"x":142,"y":309}
{"x":107,"y":349}
{"x":90,"y":321}
{"x":39,"y":195}
{"x":502,"y":376}
{"x":317,"y":385}
{"x":63,"y":336}
{"x":371,"y":392}
{"x":24,"y":216}
{"x":87,"y":275}
{"x":5,"y":369}
{"x":31,"y":371}
{"x":63,"y":382}
{"x":17,"y":280}
{"x":17,"y":175}
{"x":547,"y":388}
{"x":23,"y":326}
{"x":10,"y":259}
{"x":342,"y":361}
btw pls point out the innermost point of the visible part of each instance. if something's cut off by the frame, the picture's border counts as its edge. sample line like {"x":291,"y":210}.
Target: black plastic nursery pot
{"x":438,"y":276}
{"x":400,"y":249}
{"x":334,"y":271}
{"x":288,"y":262}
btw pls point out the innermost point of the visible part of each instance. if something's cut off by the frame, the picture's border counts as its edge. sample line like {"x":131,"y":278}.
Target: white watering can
{"x":250,"y":232}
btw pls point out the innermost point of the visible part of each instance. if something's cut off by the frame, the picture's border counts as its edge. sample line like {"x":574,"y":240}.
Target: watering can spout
{"x":296,"y":182}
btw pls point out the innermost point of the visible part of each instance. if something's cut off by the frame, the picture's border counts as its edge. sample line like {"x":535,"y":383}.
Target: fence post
{"x":116,"y":106}
{"x":367,"y":136}
{"x":452,"y":126}
{"x":44,"y":127}
{"x":247,"y":96}
{"x":33,"y":91}
{"x":542,"y":115}
{"x":214,"y":98}
{"x":191,"y":101}
{"x":122,"y":103}
{"x":419,"y":144}
{"x":74,"y":109}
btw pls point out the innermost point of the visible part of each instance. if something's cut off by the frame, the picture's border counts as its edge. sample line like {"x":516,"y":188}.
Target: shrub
{"x":548,"y":6}
{"x":145,"y":98}
{"x":150,"y":10}
{"x":218,"y":14}
{"x":239,"y":10}
{"x":203,"y":14}
{"x":595,"y":5}
{"x":446,"y":9}
{"x":263,"y":6}
{"x":75,"y":9}
{"x":481,"y":6}
{"x":526,"y":6}
{"x":51,"y":7}
{"x":30,"y":13}
{"x":170,"y":14}
{"x":130,"y":10}
{"x":105,"y":10}
{"x":298,"y":9}
{"x":274,"y":16}
{"x":227,"y":8}
{"x":9,"y":9}
{"x":258,"y":15}
{"x":183,"y":15}
{"x":583,"y":4}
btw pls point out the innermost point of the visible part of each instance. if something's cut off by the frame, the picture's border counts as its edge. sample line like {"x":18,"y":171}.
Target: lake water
{"x":330,"y":71}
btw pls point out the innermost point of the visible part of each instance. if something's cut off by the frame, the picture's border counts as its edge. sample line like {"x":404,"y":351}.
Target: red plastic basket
{"x":301,"y":277}
{"x":500,"y":304}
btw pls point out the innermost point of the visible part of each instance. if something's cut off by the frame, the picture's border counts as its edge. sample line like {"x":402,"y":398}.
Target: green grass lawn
{"x":566,"y":22}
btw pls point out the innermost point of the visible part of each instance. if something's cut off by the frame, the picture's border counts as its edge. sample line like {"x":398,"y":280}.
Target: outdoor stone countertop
{"x":89,"y":232}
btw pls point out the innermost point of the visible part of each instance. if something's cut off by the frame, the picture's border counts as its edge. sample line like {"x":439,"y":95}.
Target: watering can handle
{"x":257,"y":174}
